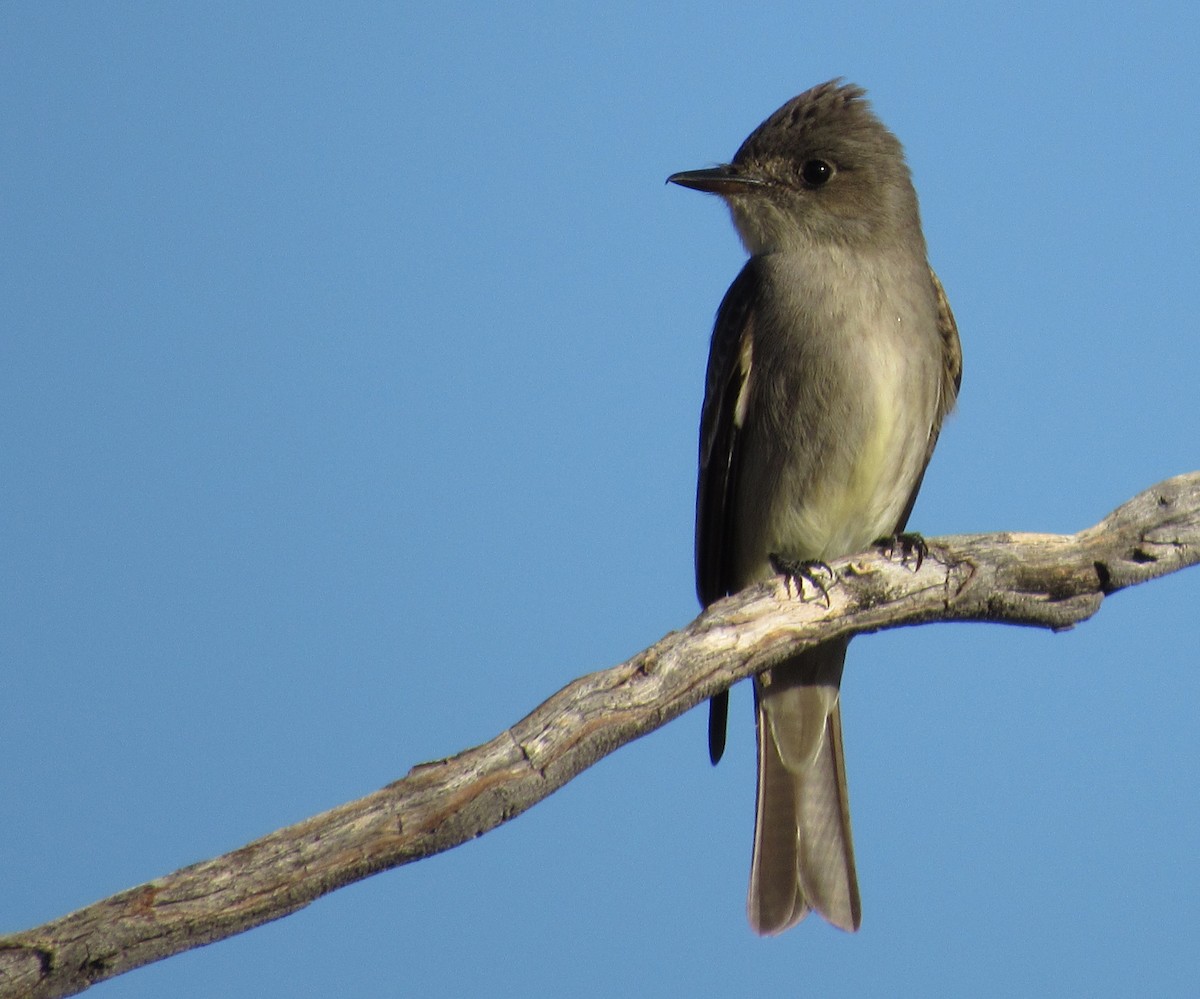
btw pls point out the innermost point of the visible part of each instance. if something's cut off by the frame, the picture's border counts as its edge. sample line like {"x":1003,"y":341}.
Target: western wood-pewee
{"x":834,"y":359}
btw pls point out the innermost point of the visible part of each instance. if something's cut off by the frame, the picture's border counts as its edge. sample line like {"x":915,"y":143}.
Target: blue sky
{"x":352,"y":361}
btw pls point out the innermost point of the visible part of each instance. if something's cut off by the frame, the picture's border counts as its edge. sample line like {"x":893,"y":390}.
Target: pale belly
{"x":853,"y":503}
{"x":845,"y":490}
{"x":842,"y":398}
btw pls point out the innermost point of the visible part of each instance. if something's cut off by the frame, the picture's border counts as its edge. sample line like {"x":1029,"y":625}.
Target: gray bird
{"x":834,"y":360}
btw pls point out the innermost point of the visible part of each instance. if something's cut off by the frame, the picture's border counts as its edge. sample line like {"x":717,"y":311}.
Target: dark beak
{"x":724,"y":179}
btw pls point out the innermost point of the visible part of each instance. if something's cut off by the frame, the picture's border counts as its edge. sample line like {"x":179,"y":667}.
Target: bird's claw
{"x":799,"y":571}
{"x":909,"y":546}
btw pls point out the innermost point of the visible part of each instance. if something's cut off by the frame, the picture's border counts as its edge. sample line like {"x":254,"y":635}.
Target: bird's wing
{"x":951,"y":353}
{"x":947,"y":390}
{"x":727,"y":385}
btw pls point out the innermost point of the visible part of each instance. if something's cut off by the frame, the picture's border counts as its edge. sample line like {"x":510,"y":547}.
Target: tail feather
{"x":803,"y":850}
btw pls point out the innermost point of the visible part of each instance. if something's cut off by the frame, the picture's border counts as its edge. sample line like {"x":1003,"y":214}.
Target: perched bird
{"x":834,"y":360}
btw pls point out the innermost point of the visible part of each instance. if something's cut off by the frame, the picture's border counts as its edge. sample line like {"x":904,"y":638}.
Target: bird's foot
{"x":908,"y":546}
{"x":799,"y":571}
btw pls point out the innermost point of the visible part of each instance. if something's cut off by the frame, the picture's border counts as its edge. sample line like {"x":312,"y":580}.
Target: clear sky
{"x":352,"y":357}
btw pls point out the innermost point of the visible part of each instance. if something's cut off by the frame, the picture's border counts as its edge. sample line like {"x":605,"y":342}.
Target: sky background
{"x":352,"y":358}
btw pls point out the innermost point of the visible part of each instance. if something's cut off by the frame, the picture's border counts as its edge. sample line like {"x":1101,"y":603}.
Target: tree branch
{"x":1046,"y":580}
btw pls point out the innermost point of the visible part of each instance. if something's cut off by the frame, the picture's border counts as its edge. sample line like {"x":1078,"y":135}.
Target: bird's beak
{"x":725,"y":179}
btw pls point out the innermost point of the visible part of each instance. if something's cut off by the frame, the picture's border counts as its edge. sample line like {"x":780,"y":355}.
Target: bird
{"x":833,"y":362}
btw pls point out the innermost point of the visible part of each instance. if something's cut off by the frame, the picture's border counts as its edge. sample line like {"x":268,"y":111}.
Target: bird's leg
{"x":908,"y":545}
{"x":797,"y":571}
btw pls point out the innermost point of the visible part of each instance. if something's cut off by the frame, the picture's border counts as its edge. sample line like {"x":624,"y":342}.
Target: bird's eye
{"x":815,"y":172}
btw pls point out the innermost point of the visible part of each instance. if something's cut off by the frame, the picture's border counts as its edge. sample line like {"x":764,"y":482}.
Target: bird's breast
{"x":844,"y":384}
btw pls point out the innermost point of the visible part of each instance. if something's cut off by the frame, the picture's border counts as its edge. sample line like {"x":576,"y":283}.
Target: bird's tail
{"x":803,"y":851}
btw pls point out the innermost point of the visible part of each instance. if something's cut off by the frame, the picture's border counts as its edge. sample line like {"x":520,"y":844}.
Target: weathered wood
{"x":1046,"y":580}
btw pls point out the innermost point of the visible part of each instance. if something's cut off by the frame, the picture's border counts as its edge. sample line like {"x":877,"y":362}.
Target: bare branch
{"x":1046,"y":580}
